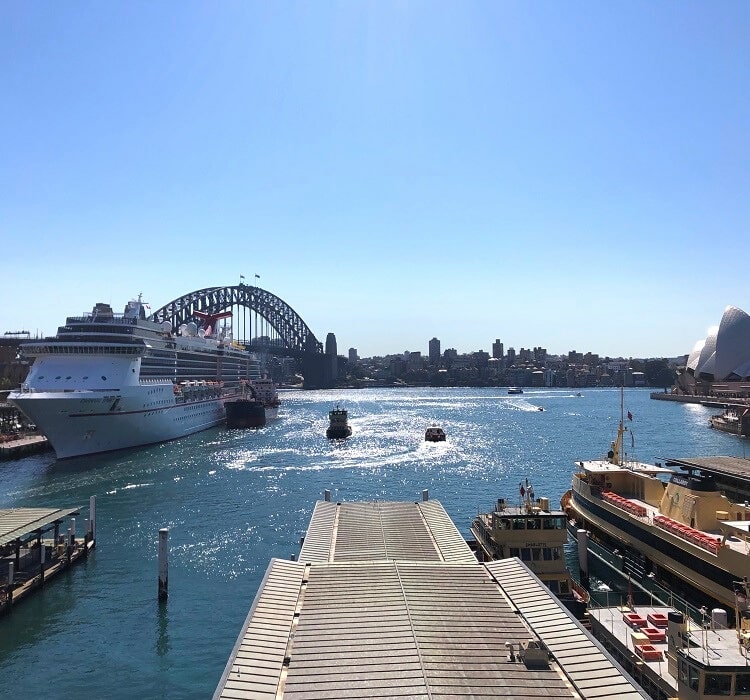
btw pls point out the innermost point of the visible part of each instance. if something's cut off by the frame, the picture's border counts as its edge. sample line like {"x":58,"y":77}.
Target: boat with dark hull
{"x":678,"y":528}
{"x":734,"y":420}
{"x":338,"y":424}
{"x":257,"y":405}
{"x":434,"y":434}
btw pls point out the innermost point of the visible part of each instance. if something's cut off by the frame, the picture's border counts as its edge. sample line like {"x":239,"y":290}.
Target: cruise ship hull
{"x":82,"y":423}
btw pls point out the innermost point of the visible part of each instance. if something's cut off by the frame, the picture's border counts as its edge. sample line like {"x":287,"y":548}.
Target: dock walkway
{"x":387,"y":600}
{"x":27,"y":559}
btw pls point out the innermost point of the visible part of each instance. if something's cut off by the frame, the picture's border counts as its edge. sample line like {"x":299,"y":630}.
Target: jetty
{"x":13,"y":446}
{"x":28,"y":559}
{"x":387,"y":600}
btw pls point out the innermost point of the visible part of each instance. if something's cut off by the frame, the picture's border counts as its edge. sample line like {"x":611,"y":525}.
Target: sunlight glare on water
{"x":234,"y":499}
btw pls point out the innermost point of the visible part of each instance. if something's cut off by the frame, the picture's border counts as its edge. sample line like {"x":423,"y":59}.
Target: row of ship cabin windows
{"x":537,"y":553}
{"x":530,"y":523}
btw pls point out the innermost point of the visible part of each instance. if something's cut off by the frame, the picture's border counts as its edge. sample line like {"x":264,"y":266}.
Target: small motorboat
{"x":515,"y":390}
{"x":434,"y":434}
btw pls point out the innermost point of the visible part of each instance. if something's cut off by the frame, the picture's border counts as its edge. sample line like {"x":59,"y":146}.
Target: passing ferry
{"x":111,"y":381}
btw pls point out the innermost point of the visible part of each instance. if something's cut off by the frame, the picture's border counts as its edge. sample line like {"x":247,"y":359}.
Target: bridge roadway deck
{"x":388,"y":601}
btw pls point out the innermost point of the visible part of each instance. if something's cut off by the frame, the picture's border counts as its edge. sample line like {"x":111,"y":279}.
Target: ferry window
{"x":556,"y":553}
{"x":693,"y":678}
{"x":564,"y":587}
{"x":742,"y":684}
{"x":547,"y":554}
{"x":515,"y":552}
{"x":552,"y":585}
{"x":683,"y":672}
{"x":525,"y":554}
{"x":549,"y":523}
{"x":534,"y":524}
{"x":536,"y":553}
{"x":519,"y":524}
{"x":718,"y":684}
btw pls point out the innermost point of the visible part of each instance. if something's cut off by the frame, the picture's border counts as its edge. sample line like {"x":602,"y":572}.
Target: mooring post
{"x":10,"y":583}
{"x":92,"y":516}
{"x":42,"y":558}
{"x":327,"y":494}
{"x":425,"y":495}
{"x":72,"y":532}
{"x":163,"y":563}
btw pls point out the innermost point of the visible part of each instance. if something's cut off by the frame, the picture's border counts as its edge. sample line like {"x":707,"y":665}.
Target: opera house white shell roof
{"x":724,"y":355}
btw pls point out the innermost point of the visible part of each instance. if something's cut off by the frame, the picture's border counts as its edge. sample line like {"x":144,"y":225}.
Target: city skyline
{"x":575,"y":174}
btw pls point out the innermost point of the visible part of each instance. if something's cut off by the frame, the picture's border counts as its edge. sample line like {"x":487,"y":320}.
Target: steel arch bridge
{"x":278,"y":329}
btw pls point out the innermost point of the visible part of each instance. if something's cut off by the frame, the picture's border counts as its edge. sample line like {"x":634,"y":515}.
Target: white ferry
{"x":111,"y":381}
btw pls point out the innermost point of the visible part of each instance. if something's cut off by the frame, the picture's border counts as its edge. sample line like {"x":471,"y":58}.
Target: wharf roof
{"x":420,"y":621}
{"x":15,"y":523}
{"x":378,"y":530}
{"x":738,"y":467}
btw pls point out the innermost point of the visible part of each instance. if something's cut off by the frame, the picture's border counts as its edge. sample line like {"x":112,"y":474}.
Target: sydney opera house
{"x":719,"y":365}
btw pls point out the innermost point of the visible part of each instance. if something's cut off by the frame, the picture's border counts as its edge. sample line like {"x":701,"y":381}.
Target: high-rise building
{"x":353,"y":359}
{"x":331,"y":358}
{"x":434,"y":352}
{"x":497,"y":349}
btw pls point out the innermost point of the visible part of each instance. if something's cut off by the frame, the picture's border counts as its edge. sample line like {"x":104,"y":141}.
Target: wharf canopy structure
{"x":719,"y":364}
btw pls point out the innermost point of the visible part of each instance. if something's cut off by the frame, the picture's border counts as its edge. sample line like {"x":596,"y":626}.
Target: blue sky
{"x":573,"y":175}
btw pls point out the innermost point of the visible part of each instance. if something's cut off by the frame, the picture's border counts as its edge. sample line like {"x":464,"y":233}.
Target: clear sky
{"x":574,"y":175}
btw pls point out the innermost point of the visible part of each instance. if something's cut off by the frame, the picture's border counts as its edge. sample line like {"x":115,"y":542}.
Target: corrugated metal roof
{"x":386,"y":630}
{"x":589,"y":668}
{"x":378,"y":530}
{"x":257,"y":662}
{"x":17,"y":522}
{"x":392,"y":619}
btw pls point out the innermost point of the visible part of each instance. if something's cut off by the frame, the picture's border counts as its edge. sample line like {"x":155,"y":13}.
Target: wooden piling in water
{"x":163,"y":563}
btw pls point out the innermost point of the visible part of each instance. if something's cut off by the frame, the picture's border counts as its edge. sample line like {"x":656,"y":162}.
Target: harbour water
{"x":234,"y":499}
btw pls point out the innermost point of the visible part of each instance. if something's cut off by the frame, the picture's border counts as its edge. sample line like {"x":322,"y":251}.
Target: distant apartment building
{"x":540,"y":356}
{"x":510,"y":358}
{"x":497,"y":349}
{"x":353,"y":359}
{"x":434,"y":351}
{"x":575,"y":358}
{"x":524,"y":356}
{"x":415,"y":361}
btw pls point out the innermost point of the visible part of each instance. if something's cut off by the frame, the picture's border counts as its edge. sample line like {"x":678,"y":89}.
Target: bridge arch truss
{"x":256,"y":313}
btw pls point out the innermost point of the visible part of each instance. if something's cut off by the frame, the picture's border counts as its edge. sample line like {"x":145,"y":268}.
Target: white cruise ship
{"x":111,"y":381}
